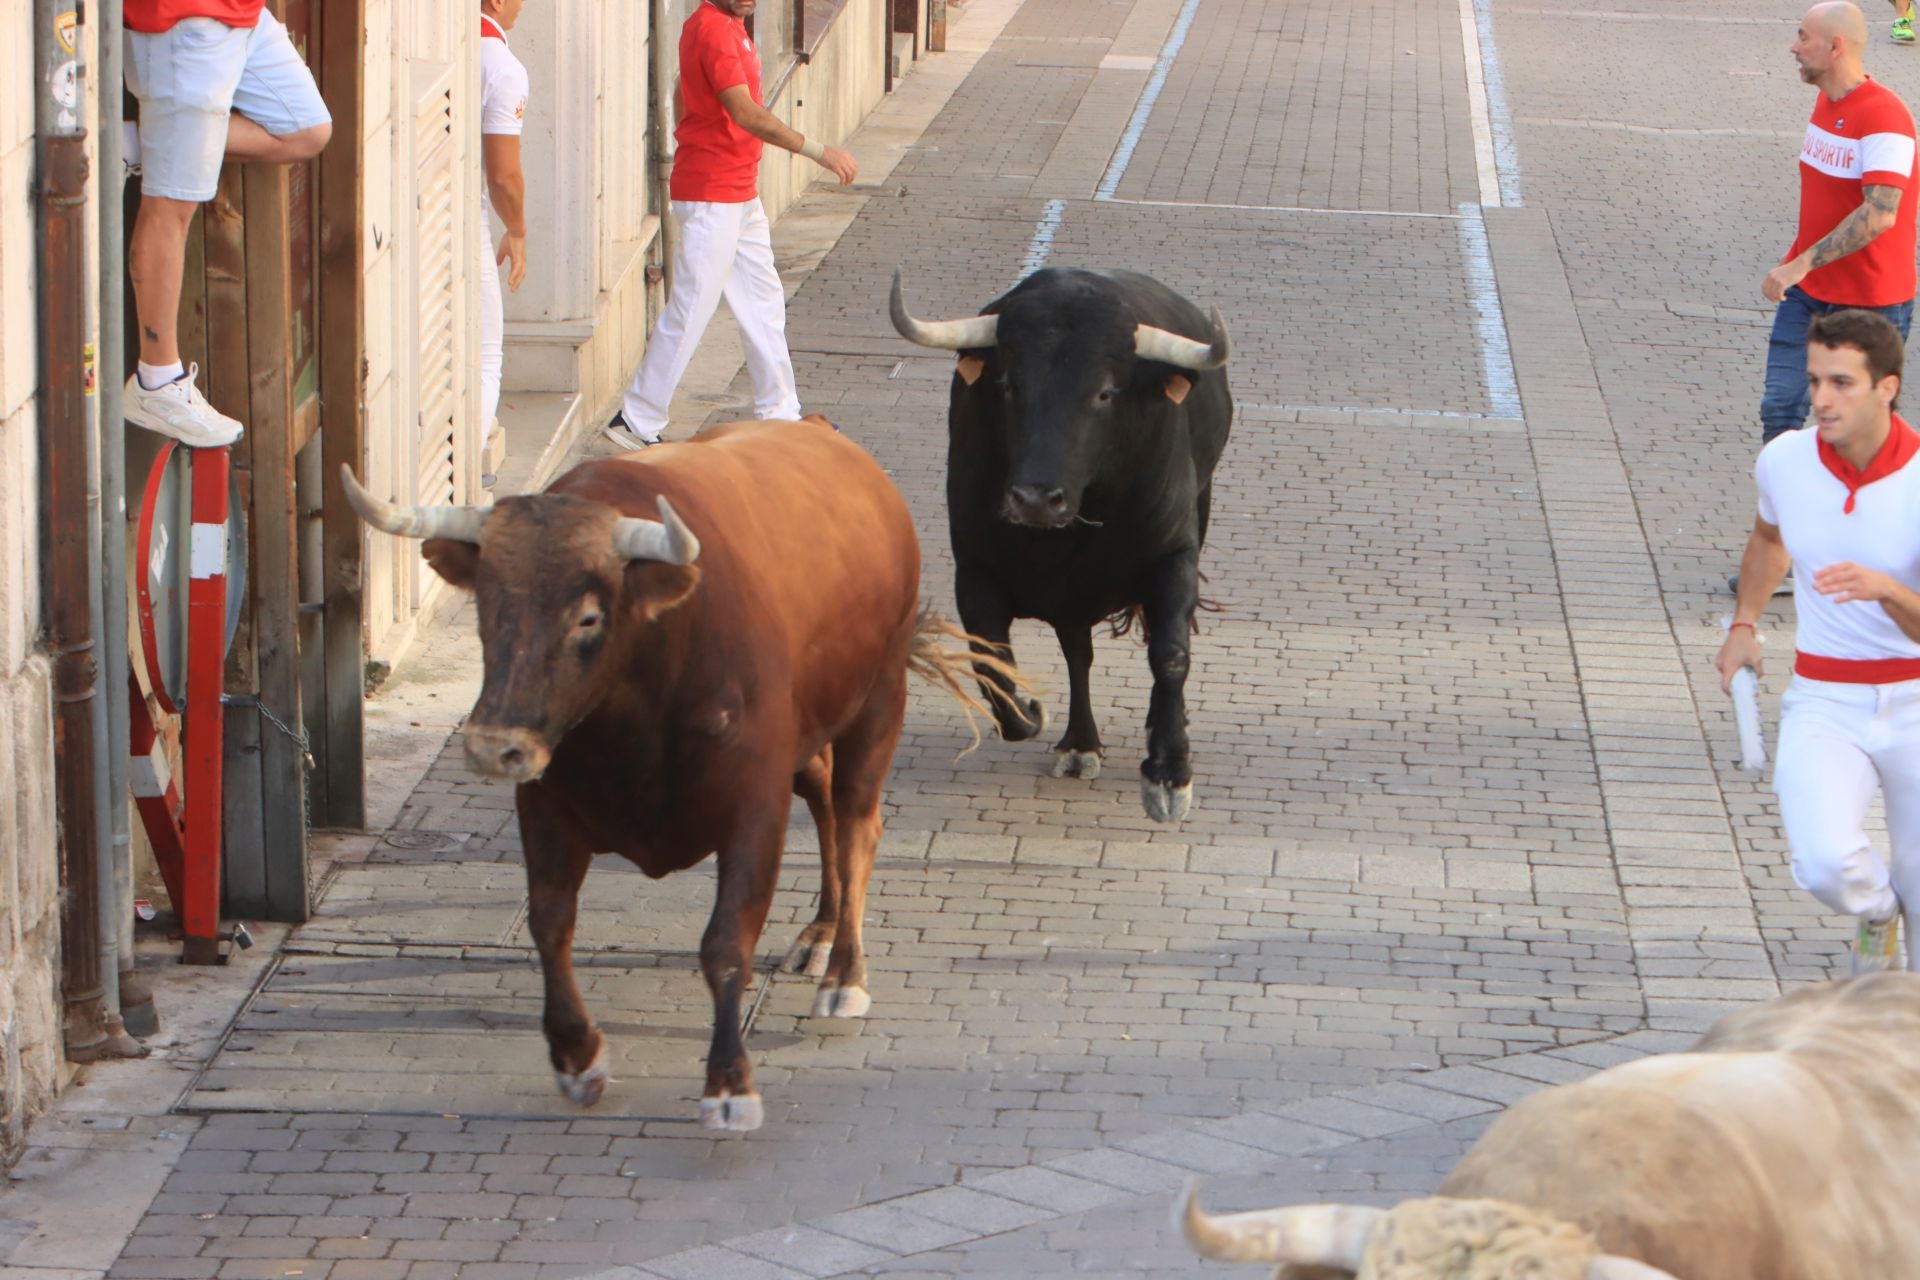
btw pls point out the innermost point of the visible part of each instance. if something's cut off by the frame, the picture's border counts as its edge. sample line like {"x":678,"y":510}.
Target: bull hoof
{"x":583,"y":1088}
{"x":1032,"y":722}
{"x":842,"y":1002}
{"x":732,"y":1112}
{"x":808,"y":956}
{"x":1084,"y":765}
{"x":1165,"y":802}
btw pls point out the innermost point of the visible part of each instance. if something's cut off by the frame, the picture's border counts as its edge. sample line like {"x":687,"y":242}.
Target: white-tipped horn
{"x":947,"y":335}
{"x":1308,"y":1235}
{"x":1150,"y":343}
{"x":456,"y":524}
{"x":1610,"y":1267}
{"x":667,"y":539}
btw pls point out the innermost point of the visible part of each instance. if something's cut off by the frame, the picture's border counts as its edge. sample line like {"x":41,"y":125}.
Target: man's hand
{"x":1847,"y":582}
{"x":513,"y":248}
{"x":1740,"y":649}
{"x":1783,"y":278}
{"x":840,"y":164}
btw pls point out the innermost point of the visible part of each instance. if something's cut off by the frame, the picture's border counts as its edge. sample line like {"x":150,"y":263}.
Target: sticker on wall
{"x":66,"y":85}
{"x":86,"y":364}
{"x":63,"y":27}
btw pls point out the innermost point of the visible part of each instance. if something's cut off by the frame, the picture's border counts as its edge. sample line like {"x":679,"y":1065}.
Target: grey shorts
{"x":191,"y":78}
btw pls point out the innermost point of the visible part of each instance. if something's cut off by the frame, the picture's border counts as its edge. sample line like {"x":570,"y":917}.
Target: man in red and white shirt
{"x":1843,"y":501}
{"x":217,"y":80}
{"x":726,"y":244}
{"x":1855,"y":246}
{"x":503,"y":116}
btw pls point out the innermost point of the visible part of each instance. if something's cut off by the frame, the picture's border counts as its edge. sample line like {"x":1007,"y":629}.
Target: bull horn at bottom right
{"x":1610,"y":1267}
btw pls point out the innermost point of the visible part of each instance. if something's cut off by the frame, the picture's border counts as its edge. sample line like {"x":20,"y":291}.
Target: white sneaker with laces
{"x":177,"y":409}
{"x":625,"y":436}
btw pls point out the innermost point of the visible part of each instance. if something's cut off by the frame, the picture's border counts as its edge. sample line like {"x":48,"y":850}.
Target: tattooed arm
{"x":1877,"y":212}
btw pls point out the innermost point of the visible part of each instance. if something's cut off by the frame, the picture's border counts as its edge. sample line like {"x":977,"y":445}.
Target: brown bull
{"x":1784,"y":1146}
{"x":675,"y":645}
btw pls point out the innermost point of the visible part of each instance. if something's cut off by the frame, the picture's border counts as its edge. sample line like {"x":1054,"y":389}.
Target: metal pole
{"x":72,"y":540}
{"x":136,"y":1001}
{"x":664,"y":47}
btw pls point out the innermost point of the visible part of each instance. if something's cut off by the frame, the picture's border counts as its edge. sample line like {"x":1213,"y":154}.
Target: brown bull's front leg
{"x":557,"y":863}
{"x":749,"y":869}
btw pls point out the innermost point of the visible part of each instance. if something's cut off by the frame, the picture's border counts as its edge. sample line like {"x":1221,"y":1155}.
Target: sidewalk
{"x":97,"y":1161}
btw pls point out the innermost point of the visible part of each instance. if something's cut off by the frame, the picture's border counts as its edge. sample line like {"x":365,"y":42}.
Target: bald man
{"x":1855,"y":246}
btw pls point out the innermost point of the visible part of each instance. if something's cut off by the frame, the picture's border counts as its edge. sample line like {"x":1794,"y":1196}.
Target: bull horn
{"x":1310,"y":1235}
{"x":1611,"y":1267}
{"x":456,"y":524}
{"x":1150,"y":343}
{"x":667,"y":539}
{"x":947,"y":335}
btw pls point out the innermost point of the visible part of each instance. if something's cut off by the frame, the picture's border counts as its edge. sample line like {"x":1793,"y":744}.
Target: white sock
{"x":155,"y":376}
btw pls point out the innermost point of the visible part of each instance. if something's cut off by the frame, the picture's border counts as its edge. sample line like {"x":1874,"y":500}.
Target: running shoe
{"x":1903,"y":30}
{"x":178,"y":409}
{"x":626,"y":437}
{"x":1877,"y":947}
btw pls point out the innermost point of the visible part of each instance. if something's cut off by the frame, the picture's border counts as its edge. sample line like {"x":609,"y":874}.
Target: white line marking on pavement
{"x":1123,"y":156}
{"x":1490,"y":322}
{"x":1041,"y":246}
{"x":1282,"y":208}
{"x":1257,"y":407}
{"x":1495,"y":157}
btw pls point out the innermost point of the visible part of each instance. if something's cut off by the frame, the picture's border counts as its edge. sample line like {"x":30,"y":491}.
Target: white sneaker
{"x":178,"y":409}
{"x":1877,"y":946}
{"x":626,"y":437}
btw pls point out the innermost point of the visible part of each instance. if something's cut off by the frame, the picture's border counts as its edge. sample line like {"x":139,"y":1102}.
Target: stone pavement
{"x":1467,"y":815}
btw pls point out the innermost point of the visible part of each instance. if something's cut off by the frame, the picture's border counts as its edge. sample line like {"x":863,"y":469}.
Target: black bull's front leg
{"x":986,"y":615}
{"x":1166,"y":776}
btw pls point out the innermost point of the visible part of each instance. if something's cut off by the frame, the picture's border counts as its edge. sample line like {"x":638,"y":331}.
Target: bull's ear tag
{"x":1177,"y":387}
{"x":970,"y":368}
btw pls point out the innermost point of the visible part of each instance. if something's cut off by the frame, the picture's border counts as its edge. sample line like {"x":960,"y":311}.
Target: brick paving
{"x":1466,"y":820}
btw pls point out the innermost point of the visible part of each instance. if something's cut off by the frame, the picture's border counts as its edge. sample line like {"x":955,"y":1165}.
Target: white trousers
{"x":726,"y":250}
{"x":1839,"y":743}
{"x":492,"y":331}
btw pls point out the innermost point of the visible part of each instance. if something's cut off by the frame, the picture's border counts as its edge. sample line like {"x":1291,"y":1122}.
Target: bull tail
{"x":954,"y":670}
{"x":1124,"y":620}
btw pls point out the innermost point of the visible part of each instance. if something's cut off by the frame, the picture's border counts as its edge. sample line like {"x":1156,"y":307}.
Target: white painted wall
{"x":30,"y":1054}
{"x":421,"y":165}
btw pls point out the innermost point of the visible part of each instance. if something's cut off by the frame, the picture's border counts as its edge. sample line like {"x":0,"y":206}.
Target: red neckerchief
{"x":1895,"y":452}
{"x":490,"y":30}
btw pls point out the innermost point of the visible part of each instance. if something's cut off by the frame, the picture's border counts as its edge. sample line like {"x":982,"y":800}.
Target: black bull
{"x":1083,"y":427}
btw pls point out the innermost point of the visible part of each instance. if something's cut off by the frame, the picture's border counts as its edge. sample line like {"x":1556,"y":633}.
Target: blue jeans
{"x":1784,"y":403}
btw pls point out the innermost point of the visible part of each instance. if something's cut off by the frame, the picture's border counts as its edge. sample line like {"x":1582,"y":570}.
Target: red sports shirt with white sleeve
{"x":151,"y":17}
{"x":715,"y":159}
{"x":1828,"y":512}
{"x":1865,"y":139}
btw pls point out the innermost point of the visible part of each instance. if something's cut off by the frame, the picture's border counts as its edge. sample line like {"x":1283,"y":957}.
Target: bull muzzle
{"x":1038,"y":507}
{"x":511,"y":755}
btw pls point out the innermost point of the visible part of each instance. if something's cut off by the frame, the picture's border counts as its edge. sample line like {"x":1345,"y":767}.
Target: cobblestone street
{"x":1468,"y":814}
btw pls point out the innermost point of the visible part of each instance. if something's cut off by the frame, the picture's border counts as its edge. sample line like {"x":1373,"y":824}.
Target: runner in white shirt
{"x":1842,"y":499}
{"x":503,"y":110}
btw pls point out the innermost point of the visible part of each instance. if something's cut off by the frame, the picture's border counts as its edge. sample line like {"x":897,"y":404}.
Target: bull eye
{"x":589,"y":621}
{"x":1106,"y":395}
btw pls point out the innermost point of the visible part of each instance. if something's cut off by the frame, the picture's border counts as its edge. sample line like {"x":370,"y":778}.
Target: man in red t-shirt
{"x":726,"y":245}
{"x":1855,"y":246}
{"x":217,"y":80}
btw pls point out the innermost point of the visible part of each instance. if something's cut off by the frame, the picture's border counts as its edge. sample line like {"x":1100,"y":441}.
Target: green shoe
{"x":1903,"y":30}
{"x":1877,"y":947}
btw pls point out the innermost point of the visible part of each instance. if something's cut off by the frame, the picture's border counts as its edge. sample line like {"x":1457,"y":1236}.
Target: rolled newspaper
{"x":1746,"y":714}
